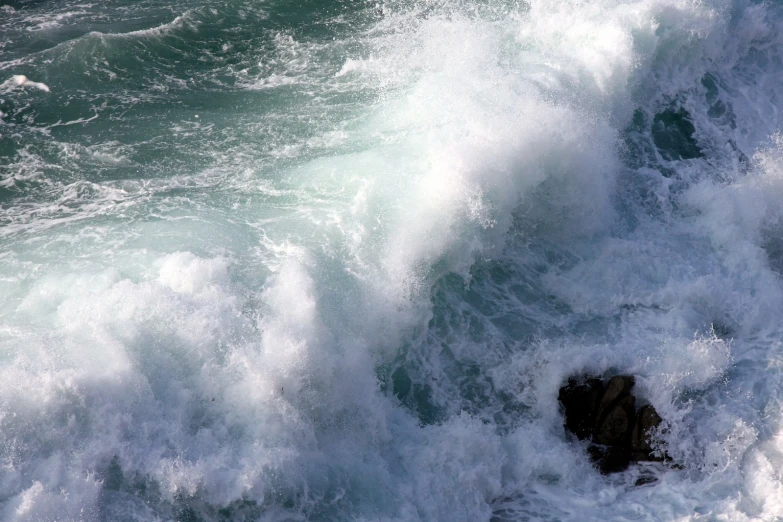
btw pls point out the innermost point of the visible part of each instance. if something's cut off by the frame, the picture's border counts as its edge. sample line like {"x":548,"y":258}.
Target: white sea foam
{"x":20,"y":80}
{"x":184,"y":20}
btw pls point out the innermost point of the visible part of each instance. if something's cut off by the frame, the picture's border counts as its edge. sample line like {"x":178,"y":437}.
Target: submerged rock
{"x":607,"y":415}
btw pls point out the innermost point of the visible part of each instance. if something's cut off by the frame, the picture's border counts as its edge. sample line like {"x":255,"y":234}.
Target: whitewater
{"x":276,"y":260}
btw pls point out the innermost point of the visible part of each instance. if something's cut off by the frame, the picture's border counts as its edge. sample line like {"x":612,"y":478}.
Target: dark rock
{"x":596,"y":452}
{"x":647,"y":420}
{"x":616,"y":459}
{"x":645,"y":479}
{"x":608,"y":416}
{"x":616,"y":425}
{"x":618,"y":387}
{"x":609,"y":459}
{"x":580,"y":401}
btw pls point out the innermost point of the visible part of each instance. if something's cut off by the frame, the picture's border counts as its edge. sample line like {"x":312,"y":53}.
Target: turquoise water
{"x":278,"y":261}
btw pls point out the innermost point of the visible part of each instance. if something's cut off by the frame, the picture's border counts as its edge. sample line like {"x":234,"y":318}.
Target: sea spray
{"x":333,"y":260}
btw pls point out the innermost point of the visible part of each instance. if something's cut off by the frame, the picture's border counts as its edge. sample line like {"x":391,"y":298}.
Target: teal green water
{"x":277,"y":260}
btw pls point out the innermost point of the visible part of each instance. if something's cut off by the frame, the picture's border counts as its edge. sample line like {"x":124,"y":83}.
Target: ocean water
{"x":326,"y":260}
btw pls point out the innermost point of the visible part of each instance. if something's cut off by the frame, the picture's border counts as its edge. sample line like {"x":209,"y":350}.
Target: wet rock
{"x":617,"y":459}
{"x":615,"y":417}
{"x":618,"y":387}
{"x":645,"y":479}
{"x":580,"y":401}
{"x":647,"y":421}
{"x":606,"y":414}
{"x":596,"y":453}
{"x":610,"y":459}
{"x":615,"y":427}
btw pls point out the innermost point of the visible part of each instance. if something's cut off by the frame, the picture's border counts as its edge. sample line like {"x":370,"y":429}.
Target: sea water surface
{"x":274,"y":260}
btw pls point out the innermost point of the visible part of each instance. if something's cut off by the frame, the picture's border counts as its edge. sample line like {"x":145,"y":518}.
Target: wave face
{"x":332,"y":260}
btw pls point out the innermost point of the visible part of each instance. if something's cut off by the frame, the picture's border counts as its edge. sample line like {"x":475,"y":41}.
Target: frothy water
{"x":332,"y":260}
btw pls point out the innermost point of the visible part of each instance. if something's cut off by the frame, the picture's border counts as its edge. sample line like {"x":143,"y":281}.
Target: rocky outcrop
{"x":606,"y":414}
{"x":616,"y":413}
{"x":647,"y":421}
{"x":581,"y":402}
